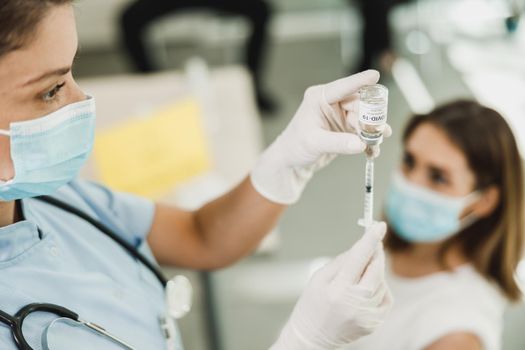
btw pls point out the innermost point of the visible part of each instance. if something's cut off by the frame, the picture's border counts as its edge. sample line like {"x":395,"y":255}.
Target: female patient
{"x":455,"y":214}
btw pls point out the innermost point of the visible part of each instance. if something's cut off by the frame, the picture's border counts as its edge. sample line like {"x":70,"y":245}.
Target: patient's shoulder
{"x":459,"y":341}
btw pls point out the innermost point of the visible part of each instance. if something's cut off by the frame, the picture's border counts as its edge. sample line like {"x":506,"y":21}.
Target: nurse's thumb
{"x":339,"y":143}
{"x":357,"y":259}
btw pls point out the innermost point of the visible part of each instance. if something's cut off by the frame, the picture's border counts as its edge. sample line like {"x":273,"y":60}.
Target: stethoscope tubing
{"x":16,"y":322}
{"x":108,"y":232}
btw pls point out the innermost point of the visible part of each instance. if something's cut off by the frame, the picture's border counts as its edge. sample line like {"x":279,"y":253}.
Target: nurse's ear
{"x":486,"y":203}
{"x":7,"y":170}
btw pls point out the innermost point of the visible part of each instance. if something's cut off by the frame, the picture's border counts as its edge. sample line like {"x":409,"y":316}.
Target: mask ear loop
{"x":471,"y":218}
{"x":468,"y":221}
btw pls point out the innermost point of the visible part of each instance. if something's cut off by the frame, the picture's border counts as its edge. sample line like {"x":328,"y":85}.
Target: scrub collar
{"x":18,"y":237}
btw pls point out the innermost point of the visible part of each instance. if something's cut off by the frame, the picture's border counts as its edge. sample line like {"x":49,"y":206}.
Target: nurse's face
{"x":36,"y":79}
{"x":433,"y":161}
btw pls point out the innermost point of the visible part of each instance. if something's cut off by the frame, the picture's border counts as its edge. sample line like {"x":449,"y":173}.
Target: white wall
{"x":98,"y":23}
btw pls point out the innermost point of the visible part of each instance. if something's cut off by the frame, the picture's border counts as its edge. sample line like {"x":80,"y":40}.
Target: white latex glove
{"x":346,"y":299}
{"x":324,"y":125}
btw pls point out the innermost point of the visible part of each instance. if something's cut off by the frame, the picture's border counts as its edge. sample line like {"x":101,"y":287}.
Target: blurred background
{"x":248,"y":69}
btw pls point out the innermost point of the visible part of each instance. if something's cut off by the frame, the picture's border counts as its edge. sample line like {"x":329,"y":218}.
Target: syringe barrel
{"x":369,"y":192}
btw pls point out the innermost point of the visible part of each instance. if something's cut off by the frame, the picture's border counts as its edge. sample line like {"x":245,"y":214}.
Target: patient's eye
{"x":408,"y":161}
{"x":438,"y":177}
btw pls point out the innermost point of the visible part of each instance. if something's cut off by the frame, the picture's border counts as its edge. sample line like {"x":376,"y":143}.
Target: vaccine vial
{"x":373,"y":104}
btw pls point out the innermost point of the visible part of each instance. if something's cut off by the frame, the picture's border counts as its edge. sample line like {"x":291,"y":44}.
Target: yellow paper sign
{"x":151,"y":155}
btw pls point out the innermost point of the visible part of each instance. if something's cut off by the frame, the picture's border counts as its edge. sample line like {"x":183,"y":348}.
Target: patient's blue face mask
{"x":418,"y":214}
{"x":48,"y":152}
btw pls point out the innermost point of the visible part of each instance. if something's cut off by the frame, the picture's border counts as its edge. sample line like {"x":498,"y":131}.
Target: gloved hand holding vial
{"x":373,"y":105}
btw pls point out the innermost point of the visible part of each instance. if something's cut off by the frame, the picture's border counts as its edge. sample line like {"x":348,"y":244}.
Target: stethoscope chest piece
{"x":179,"y":296}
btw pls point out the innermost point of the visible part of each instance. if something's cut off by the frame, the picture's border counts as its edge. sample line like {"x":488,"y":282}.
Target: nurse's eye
{"x":52,"y":94}
{"x":408,"y":161}
{"x":437,"y":177}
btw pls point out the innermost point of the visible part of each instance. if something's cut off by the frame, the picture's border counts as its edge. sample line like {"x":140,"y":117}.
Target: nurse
{"x":56,"y":256}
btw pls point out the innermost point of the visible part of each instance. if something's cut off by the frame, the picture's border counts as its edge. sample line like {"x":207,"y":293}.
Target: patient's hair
{"x":19,"y":20}
{"x":494,"y":244}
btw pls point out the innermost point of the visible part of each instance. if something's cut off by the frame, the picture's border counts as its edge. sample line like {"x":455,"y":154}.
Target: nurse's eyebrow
{"x":56,"y":72}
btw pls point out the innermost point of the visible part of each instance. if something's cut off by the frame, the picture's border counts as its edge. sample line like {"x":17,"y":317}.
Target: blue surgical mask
{"x":48,"y":152}
{"x":418,"y":214}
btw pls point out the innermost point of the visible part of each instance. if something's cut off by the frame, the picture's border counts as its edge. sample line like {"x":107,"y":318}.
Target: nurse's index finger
{"x":360,"y":255}
{"x":342,"y":88}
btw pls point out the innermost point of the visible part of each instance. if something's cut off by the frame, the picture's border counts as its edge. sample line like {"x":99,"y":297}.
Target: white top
{"x":428,"y":308}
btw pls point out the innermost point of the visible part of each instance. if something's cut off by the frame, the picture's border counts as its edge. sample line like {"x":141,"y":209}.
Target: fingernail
{"x":361,"y":146}
{"x":355,"y":145}
{"x":381,"y":227}
{"x":372,"y":71}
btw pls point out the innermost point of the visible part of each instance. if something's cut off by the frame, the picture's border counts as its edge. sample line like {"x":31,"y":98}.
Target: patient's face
{"x":431,"y":160}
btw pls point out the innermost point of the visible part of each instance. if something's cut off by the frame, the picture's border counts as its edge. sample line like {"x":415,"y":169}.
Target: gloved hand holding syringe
{"x":373,"y":104}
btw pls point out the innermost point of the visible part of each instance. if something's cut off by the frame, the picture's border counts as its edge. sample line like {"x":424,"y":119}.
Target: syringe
{"x":373,"y":102}
{"x":368,"y":212}
{"x":369,"y":192}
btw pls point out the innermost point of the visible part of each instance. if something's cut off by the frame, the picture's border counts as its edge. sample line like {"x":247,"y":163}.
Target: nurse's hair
{"x":19,"y":20}
{"x":494,"y":244}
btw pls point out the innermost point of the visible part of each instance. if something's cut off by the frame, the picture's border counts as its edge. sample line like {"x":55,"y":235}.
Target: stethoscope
{"x":178,"y":291}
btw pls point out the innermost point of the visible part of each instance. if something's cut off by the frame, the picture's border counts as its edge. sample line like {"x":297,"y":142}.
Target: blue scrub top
{"x":53,"y":256}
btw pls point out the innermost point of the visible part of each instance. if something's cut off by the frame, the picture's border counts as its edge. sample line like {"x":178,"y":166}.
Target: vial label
{"x":372,"y":114}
